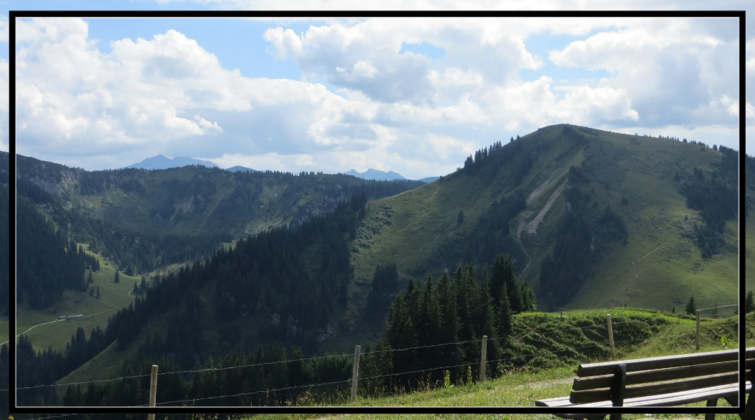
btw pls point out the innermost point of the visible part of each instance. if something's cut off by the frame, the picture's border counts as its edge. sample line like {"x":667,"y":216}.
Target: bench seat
{"x":658,"y":382}
{"x":671,"y":399}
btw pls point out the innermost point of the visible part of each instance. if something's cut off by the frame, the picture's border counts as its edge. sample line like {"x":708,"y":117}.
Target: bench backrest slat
{"x":635,"y":378}
{"x":607,"y":368}
{"x":603,"y":394}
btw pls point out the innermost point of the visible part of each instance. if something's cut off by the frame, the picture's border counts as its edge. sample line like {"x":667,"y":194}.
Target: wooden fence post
{"x":153,"y":391}
{"x":483,"y":357}
{"x":610,"y":336}
{"x":355,"y":374}
{"x":697,"y":345}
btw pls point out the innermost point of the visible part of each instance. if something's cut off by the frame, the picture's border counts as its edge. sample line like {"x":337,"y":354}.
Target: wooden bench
{"x":658,"y":382}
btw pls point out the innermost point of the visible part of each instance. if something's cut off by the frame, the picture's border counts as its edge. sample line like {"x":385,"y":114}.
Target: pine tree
{"x":691,"y":306}
{"x":503,"y":316}
{"x":97,"y":293}
{"x":428,"y":325}
{"x":117,"y":277}
{"x":450,"y":324}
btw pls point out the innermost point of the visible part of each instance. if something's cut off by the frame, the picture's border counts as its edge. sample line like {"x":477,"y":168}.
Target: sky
{"x":411,"y":95}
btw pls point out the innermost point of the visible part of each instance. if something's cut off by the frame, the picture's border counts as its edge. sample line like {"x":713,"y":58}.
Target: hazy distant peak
{"x":376,"y":174}
{"x":162,"y":162}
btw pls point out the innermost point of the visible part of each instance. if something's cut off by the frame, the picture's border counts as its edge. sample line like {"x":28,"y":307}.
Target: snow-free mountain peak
{"x":162,"y":162}
{"x":376,"y":174}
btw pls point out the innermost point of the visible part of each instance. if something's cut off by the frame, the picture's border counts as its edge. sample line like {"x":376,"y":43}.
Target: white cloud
{"x":367,"y":55}
{"x":671,"y":68}
{"x":391,"y":109}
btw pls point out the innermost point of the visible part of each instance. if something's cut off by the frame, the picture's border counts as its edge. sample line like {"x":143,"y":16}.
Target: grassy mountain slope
{"x":659,"y":267}
{"x":96,"y":311}
{"x":145,"y":205}
{"x":197,"y":200}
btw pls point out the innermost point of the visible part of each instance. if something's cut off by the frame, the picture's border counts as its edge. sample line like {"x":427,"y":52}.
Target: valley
{"x":238,"y":263}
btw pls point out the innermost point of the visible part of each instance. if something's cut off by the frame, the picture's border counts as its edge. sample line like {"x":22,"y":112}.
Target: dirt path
{"x":656,"y":248}
{"x":38,"y":325}
{"x":61,"y":320}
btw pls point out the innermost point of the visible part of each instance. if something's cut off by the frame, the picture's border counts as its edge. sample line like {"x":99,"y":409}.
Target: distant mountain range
{"x":162,"y":162}
{"x":379,"y":175}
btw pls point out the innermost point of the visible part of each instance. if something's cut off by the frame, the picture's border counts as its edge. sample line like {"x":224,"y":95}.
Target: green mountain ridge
{"x":197,"y":200}
{"x":611,"y":212}
{"x":642,"y":252}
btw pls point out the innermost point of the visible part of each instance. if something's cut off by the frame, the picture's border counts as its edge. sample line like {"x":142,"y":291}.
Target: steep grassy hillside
{"x":512,"y":199}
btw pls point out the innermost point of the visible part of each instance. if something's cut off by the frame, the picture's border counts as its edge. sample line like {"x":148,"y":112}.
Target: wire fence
{"x":351,"y":355}
{"x":719,"y":311}
{"x":473,"y":363}
{"x":724,"y":311}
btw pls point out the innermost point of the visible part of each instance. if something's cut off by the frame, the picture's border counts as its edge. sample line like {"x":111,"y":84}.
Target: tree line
{"x":461,"y":308}
{"x":266,"y":273}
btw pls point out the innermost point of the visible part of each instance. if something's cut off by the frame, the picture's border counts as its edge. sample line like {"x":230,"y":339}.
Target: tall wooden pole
{"x":483,"y":357}
{"x":355,"y":374}
{"x":153,"y":391}
{"x":610,"y":336}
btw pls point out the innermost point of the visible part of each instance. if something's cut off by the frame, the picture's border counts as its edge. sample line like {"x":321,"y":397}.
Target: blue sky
{"x":415,"y":96}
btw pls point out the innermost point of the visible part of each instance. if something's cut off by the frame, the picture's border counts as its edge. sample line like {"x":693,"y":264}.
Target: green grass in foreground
{"x":523,"y":388}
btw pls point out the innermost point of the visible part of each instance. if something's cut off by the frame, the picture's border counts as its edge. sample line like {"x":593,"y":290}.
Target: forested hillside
{"x":564,"y":217}
{"x":281,"y":286}
{"x":196,"y":200}
{"x":590,"y":218}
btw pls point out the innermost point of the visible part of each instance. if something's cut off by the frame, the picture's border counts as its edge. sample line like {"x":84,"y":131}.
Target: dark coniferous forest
{"x":294,"y":282}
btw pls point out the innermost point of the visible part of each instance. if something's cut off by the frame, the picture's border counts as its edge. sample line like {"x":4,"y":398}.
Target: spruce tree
{"x":428,"y":327}
{"x":450,"y":324}
{"x":691,"y":306}
{"x":503,"y":316}
{"x":117,"y":277}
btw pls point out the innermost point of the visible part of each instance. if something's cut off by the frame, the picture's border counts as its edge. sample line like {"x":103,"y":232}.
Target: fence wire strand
{"x":571,"y":328}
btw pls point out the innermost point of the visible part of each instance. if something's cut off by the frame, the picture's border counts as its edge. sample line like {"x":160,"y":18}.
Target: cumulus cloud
{"x":672,"y":68}
{"x":73,"y":99}
{"x":363,"y":100}
{"x":367,"y":56}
